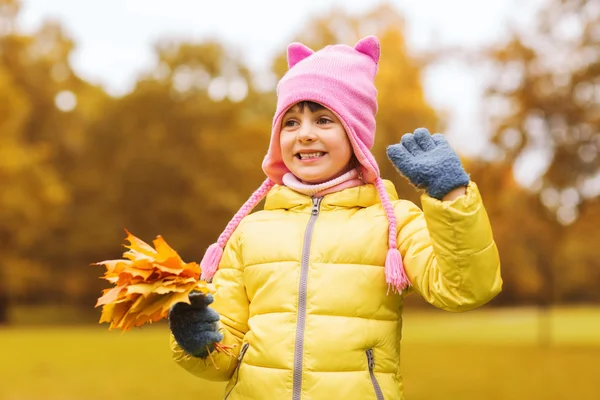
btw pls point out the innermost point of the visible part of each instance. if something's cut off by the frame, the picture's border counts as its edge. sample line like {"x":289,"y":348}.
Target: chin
{"x":312,"y":179}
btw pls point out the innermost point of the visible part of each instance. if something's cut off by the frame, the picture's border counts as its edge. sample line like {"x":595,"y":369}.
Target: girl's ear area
{"x":297,"y":52}
{"x":369,"y":46}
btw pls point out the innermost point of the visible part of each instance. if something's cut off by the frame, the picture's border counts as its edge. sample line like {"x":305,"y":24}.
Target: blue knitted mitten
{"x":428,"y":162}
{"x":195,"y":325}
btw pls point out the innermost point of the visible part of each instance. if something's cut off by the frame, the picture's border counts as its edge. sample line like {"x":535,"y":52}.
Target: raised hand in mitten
{"x":428,"y":162}
{"x":195,"y":326}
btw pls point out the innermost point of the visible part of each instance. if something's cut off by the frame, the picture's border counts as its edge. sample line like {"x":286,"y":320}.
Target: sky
{"x":114,"y":39}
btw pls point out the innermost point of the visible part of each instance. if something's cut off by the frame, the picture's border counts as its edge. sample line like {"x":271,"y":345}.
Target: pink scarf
{"x":347,"y":180}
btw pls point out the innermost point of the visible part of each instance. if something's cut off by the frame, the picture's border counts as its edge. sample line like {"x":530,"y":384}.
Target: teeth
{"x":306,"y":156}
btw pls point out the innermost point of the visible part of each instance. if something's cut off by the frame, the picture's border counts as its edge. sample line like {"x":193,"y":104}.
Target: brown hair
{"x":312,"y":106}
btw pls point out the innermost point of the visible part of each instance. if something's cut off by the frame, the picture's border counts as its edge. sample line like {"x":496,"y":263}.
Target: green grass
{"x":485,"y":354}
{"x":520,"y":326}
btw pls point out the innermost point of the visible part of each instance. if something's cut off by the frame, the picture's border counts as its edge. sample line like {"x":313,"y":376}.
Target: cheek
{"x":345,"y":149}
{"x":286,"y":144}
{"x":349,"y":149}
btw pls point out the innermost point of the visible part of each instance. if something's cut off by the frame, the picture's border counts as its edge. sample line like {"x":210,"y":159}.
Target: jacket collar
{"x":284,"y":198}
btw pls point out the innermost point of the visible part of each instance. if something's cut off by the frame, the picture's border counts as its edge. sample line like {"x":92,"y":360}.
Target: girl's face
{"x":314,"y":144}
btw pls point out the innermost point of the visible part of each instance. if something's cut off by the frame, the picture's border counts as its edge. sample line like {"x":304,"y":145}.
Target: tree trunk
{"x":3,"y":305}
{"x":549,"y":296}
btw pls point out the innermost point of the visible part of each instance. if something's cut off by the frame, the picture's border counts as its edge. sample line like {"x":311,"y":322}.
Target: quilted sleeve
{"x":449,"y":252}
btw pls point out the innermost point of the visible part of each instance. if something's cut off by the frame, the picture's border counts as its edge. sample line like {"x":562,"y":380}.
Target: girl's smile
{"x":310,"y":155}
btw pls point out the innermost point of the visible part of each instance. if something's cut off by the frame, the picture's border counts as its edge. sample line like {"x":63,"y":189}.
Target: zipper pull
{"x":243,"y":351}
{"x":315,"y":206}
{"x":371,"y":359}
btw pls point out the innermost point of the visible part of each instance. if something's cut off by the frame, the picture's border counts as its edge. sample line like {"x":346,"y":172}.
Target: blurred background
{"x":154,"y":116}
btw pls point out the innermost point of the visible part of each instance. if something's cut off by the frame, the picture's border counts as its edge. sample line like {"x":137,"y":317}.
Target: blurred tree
{"x":30,"y":186}
{"x":504,"y":201}
{"x":185,"y":149}
{"x":9,"y":9}
{"x":578,"y":261}
{"x":175,"y":157}
{"x":179,"y":154}
{"x":44,"y":108}
{"x":544,"y":104}
{"x":402,"y":103}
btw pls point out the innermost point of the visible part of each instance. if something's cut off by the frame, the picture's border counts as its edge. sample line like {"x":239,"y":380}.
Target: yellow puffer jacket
{"x":302,"y":294}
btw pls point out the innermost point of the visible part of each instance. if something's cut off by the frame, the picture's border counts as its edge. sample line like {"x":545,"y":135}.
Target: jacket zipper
{"x":301,"y":320}
{"x":237,"y":374}
{"x":371,"y":361}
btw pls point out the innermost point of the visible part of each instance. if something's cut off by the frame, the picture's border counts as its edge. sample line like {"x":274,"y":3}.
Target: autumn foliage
{"x":148,"y":282}
{"x":170,"y":157}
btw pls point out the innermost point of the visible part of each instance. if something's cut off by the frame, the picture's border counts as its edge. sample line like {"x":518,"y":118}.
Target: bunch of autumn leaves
{"x":148,"y":281}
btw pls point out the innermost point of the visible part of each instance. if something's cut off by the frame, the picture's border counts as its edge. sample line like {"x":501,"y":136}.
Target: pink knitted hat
{"x":341,"y":78}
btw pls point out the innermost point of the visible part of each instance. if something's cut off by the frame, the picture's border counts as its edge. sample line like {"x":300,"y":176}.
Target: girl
{"x":310,"y":290}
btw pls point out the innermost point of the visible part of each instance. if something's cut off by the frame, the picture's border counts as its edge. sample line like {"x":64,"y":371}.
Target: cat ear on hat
{"x":369,"y":46}
{"x":297,"y":52}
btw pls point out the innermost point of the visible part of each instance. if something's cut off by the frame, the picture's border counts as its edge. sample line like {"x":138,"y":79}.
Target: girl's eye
{"x":290,"y":123}
{"x":324,"y":120}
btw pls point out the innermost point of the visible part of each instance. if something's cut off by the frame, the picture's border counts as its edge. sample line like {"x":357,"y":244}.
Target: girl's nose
{"x":306,"y":134}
